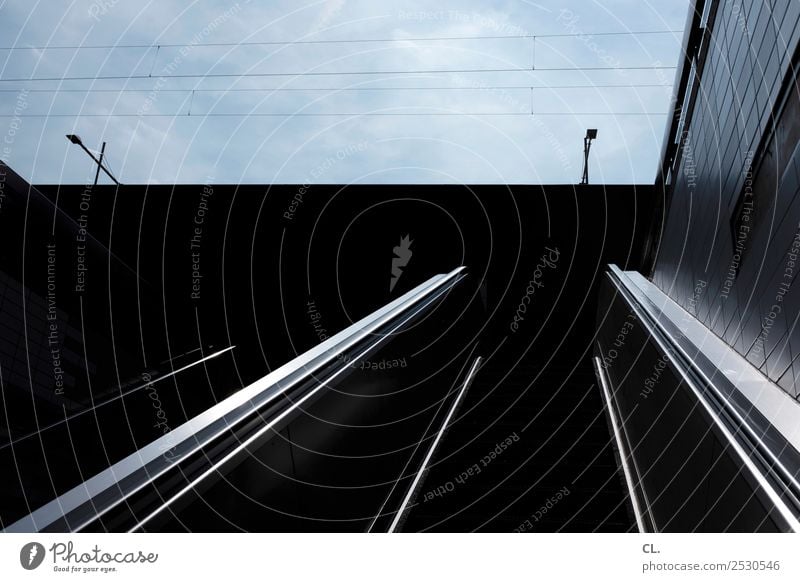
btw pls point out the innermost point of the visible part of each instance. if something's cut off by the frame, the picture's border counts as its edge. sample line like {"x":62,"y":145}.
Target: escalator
{"x":321,"y":443}
{"x":706,"y":442}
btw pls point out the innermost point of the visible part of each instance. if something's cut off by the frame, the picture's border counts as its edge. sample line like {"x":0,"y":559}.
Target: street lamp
{"x":587,"y":144}
{"x":77,"y":141}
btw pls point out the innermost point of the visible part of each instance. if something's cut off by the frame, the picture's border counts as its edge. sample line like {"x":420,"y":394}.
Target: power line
{"x":347,"y":114}
{"x":336,"y":89}
{"x":334,"y":73}
{"x":339,"y":41}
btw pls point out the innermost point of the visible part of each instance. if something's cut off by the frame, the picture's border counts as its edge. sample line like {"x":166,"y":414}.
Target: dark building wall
{"x":261,"y":273}
{"x":728,"y":252}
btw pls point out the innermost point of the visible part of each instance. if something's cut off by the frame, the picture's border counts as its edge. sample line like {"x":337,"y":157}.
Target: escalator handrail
{"x":706,"y":382}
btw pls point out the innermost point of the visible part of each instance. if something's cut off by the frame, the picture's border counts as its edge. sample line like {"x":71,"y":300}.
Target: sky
{"x":187,"y":92}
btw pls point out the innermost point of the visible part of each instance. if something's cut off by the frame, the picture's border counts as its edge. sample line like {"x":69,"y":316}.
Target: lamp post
{"x":587,"y":144}
{"x":77,"y":141}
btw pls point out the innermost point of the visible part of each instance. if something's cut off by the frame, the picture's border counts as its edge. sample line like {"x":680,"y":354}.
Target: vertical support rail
{"x":404,"y":506}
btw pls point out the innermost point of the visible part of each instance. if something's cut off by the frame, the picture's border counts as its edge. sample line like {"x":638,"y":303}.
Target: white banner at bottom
{"x":402,"y":557}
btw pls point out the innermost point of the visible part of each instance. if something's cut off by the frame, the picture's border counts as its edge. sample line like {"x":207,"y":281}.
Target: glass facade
{"x":728,"y":251}
{"x":701,"y":361}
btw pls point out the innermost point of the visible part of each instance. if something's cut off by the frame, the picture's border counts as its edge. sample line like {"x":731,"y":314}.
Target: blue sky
{"x":152,"y":137}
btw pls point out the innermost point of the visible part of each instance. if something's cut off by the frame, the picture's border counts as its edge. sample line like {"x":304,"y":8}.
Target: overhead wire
{"x":335,"y":73}
{"x":347,"y":114}
{"x":343,"y":40}
{"x":337,"y":89}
